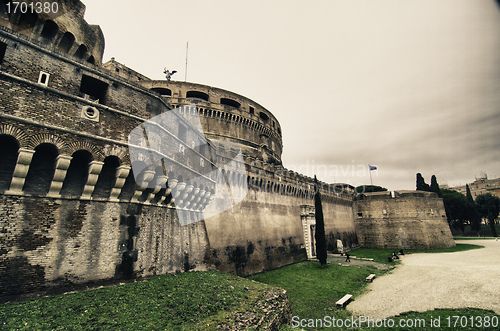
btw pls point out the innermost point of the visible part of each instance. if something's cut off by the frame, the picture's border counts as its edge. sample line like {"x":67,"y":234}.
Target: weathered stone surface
{"x":402,"y":220}
{"x":72,"y":210}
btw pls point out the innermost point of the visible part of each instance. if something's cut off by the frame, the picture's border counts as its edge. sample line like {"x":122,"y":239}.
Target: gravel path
{"x":340,"y":260}
{"x":438,"y":280}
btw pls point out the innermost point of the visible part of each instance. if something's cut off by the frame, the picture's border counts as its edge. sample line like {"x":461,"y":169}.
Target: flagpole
{"x":186,"y":73}
{"x":371,"y":181}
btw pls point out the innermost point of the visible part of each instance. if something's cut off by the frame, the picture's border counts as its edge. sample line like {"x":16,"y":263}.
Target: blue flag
{"x":372,"y":167}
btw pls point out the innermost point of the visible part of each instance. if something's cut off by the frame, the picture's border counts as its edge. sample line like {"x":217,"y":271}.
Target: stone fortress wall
{"x":72,"y":211}
{"x":76,"y":208}
{"x":402,"y":219}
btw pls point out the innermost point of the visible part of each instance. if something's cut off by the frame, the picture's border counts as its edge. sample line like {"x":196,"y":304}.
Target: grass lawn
{"x":187,"y":301}
{"x":313,"y":291}
{"x":204,"y":300}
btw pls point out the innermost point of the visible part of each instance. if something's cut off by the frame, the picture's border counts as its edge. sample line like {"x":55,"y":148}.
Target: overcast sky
{"x":408,"y":86}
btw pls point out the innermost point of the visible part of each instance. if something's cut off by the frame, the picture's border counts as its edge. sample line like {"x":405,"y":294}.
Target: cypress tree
{"x":421,"y":184}
{"x":472,"y":212}
{"x":319,"y":236}
{"x":435,"y":186}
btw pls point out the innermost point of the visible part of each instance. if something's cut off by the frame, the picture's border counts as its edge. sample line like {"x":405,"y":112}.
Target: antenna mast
{"x":186,"y":73}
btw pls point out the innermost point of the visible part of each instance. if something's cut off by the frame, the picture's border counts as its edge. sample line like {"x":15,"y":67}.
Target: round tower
{"x":228,"y":116}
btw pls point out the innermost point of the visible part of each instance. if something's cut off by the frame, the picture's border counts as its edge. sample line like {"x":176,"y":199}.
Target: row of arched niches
{"x":44,"y":171}
{"x":86,"y":42}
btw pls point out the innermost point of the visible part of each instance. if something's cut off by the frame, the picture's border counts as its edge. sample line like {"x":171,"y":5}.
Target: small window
{"x":164,"y":92}
{"x":252,"y":110}
{"x":360,"y":215}
{"x":229,"y":102}
{"x":90,"y":113}
{"x":263,"y":116}
{"x":94,"y":88}
{"x":197,"y":95}
{"x":43,"y":78}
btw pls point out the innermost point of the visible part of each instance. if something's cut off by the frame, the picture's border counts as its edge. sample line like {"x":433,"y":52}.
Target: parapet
{"x":62,"y":29}
{"x":226,"y":116}
{"x":396,"y":194}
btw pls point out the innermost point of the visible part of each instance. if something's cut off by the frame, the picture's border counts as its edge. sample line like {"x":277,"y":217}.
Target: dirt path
{"x":340,"y":260}
{"x":439,"y":280}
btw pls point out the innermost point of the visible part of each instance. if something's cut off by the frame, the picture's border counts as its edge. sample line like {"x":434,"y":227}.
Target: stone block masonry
{"x":48,"y":242}
{"x":75,"y":209}
{"x":402,"y":220}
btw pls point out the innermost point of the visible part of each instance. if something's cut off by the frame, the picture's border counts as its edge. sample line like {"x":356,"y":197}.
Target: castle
{"x":106,"y":174}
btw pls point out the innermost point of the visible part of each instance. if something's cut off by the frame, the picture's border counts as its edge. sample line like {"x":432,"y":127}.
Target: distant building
{"x":481,"y":185}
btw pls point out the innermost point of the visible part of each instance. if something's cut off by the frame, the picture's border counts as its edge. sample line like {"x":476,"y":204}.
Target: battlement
{"x":396,"y":194}
{"x":64,"y":30}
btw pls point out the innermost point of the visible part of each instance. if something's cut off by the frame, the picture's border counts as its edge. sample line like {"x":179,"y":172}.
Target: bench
{"x":370,"y":278}
{"x":344,"y":300}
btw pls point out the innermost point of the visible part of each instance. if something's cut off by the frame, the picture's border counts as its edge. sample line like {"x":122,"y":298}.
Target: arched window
{"x":229,"y":102}
{"x":27,"y":21}
{"x":164,"y":92}
{"x":77,"y":174}
{"x":50,"y":29}
{"x":91,"y":59}
{"x":66,"y":42}
{"x":9,"y":148}
{"x":42,"y":168}
{"x":263,"y":116}
{"x":107,"y":178}
{"x":197,"y":95}
{"x":81,"y":51}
